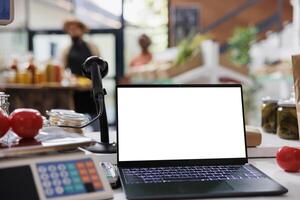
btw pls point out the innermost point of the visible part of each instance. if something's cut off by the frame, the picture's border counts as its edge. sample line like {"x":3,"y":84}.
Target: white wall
{"x":46,"y":16}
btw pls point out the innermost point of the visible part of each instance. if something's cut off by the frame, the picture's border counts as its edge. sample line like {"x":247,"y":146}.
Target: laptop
{"x":185,"y":141}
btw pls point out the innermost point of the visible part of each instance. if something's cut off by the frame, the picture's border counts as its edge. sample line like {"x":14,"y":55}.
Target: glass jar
{"x":4,"y":103}
{"x":269,"y":115}
{"x":287,"y":124}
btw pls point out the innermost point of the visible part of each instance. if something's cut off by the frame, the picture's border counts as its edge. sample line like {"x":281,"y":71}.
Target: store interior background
{"x":116,"y":25}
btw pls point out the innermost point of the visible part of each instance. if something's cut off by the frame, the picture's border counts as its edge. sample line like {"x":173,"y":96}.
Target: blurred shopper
{"x":73,"y":57}
{"x":145,"y":56}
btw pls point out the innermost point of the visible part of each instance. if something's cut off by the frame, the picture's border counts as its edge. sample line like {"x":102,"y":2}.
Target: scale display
{"x":10,"y":183}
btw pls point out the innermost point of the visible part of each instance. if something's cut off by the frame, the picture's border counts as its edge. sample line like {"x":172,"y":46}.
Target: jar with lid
{"x":287,"y":124}
{"x":4,"y":103}
{"x":269,"y":115}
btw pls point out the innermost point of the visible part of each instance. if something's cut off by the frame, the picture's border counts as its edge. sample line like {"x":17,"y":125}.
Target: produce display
{"x":288,"y":158}
{"x":25,"y":122}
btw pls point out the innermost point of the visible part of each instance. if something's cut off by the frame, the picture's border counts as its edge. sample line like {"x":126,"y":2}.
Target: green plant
{"x":188,"y":46}
{"x":239,"y":44}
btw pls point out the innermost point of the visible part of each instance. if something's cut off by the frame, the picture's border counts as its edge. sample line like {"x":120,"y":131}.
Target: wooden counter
{"x":41,"y":97}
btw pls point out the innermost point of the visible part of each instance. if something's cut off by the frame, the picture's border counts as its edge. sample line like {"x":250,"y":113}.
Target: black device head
{"x":94,"y":60}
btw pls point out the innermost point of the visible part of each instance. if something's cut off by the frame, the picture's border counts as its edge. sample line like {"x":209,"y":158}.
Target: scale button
{"x":56,"y":182}
{"x":85,"y":179}
{"x":61,"y":167}
{"x":92,"y":171}
{"x":83,"y":172}
{"x":44,"y":176}
{"x":69,"y":189}
{"x":95,"y":177}
{"x":64,"y":174}
{"x":52,"y":168}
{"x":54,"y":175}
{"x":71,"y":166}
{"x":90,"y":164}
{"x":79,"y":188}
{"x":42,"y":169}
{"x":97,"y":185}
{"x":49,"y":192}
{"x":73,"y":173}
{"x":66,"y":181}
{"x":76,"y":179}
{"x":59,"y":190}
{"x":46,"y":184}
{"x":80,"y":165}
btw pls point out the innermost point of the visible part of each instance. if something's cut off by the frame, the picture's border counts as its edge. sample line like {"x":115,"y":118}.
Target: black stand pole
{"x":96,"y":68}
{"x":104,"y":146}
{"x":104,"y":126}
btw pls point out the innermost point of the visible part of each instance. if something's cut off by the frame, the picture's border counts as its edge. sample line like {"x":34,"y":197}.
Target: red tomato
{"x":288,"y":158}
{"x":26,"y":123}
{"x":4,"y":123}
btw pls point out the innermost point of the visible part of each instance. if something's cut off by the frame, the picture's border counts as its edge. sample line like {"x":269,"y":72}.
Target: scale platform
{"x":50,"y":139}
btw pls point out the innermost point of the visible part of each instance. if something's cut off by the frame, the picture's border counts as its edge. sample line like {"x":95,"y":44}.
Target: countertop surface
{"x":267,"y":165}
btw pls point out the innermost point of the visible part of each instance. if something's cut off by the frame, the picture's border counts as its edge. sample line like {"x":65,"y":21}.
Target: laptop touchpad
{"x":205,"y":187}
{"x":186,"y":189}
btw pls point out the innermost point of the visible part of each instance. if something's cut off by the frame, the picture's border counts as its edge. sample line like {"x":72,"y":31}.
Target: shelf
{"x":42,"y":86}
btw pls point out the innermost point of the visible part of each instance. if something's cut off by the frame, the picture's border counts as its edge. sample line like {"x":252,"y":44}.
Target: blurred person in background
{"x":145,"y":56}
{"x":73,"y":57}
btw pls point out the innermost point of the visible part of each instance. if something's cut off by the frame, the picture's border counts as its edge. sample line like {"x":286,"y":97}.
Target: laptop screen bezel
{"x":158,"y":163}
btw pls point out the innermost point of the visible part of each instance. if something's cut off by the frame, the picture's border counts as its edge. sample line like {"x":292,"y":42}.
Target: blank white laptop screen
{"x":180,"y":123}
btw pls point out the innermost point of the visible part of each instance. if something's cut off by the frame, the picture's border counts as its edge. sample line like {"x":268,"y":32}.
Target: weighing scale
{"x":59,"y":177}
{"x":50,"y":166}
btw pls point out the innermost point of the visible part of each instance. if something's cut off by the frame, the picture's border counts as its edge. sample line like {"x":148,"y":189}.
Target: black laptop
{"x":185,"y":141}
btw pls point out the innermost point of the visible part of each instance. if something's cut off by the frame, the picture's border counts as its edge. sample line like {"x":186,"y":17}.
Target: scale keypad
{"x":65,"y":178}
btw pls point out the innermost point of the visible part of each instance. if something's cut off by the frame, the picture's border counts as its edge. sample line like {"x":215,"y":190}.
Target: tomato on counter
{"x":4,"y":123}
{"x":288,"y":158}
{"x":26,"y":123}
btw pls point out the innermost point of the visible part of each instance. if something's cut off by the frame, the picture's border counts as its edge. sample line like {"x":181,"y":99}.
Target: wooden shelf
{"x":55,"y":86}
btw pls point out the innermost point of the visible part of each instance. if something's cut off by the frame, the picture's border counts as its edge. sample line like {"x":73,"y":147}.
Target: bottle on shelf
{"x":14,"y":69}
{"x":58,"y":73}
{"x":14,"y":65}
{"x":53,"y":72}
{"x":32,"y":69}
{"x":50,"y":76}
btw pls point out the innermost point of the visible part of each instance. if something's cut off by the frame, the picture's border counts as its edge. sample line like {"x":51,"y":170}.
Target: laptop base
{"x":260,"y":186}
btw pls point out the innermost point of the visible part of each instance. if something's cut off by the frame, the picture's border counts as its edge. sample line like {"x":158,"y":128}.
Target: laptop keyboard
{"x":190,"y":173}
